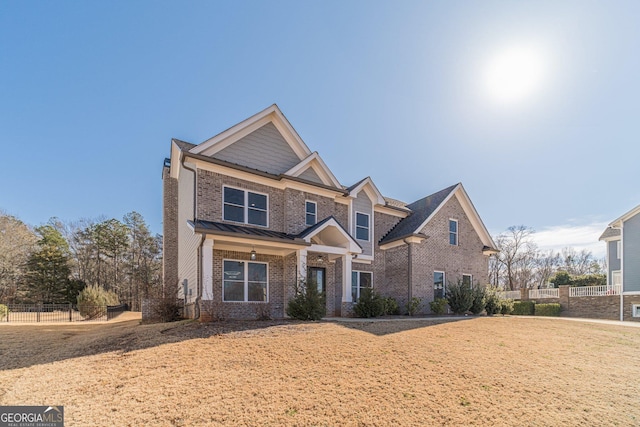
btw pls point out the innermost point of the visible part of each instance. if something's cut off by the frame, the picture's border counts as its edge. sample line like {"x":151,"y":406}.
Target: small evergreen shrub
{"x":370,"y":304}
{"x":506,"y":306}
{"x":4,"y":311}
{"x":552,"y":309}
{"x":479,"y":300}
{"x":524,"y":308}
{"x":413,"y":306}
{"x":460,"y":297}
{"x":391,"y":306}
{"x":438,"y":305}
{"x":93,"y":301}
{"x":308,"y":303}
{"x":492,"y":302}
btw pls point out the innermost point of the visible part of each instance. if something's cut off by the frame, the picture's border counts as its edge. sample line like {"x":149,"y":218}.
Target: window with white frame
{"x":635,"y":310}
{"x":245,"y":281}
{"x":618,"y":248}
{"x":467,"y":279}
{"x":311,"y":212}
{"x":616,"y":278}
{"x":360,"y":280}
{"x":438,"y":284}
{"x":362,"y":226}
{"x":453,"y":232}
{"x":243,"y":206}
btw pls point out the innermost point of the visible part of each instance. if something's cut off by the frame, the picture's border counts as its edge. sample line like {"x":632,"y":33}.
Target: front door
{"x":317,"y":275}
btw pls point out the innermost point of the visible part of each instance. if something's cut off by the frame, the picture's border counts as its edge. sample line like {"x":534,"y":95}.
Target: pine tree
{"x":48,"y":270}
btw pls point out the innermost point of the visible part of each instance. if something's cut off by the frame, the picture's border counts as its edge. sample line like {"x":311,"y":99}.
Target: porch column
{"x":346,"y":278}
{"x":207,"y":269}
{"x":302,"y":264}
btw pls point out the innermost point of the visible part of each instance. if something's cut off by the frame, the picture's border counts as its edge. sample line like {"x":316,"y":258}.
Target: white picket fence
{"x":544,"y":293}
{"x":594,"y":291}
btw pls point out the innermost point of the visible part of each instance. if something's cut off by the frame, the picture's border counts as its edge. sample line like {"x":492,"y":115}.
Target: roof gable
{"x":314,"y":163}
{"x":369,"y":188}
{"x":610,"y":234}
{"x":330,"y":228}
{"x":618,"y":222}
{"x":271,"y":115}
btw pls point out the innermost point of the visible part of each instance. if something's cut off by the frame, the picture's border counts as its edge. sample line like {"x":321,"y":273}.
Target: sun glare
{"x":514,"y":75}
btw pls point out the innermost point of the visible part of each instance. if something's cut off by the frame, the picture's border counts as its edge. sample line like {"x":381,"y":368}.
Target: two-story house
{"x":252,"y":210}
{"x":622,"y":237}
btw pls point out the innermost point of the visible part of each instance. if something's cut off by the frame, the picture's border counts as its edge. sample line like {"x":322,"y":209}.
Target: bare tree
{"x":517,"y":256}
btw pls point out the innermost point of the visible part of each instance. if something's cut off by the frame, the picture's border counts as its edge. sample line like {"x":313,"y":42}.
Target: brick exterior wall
{"x":629,"y":300}
{"x":294,"y":212}
{"x":169,"y":230}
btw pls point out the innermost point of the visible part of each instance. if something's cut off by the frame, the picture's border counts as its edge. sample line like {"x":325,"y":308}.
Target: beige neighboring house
{"x":252,"y":210}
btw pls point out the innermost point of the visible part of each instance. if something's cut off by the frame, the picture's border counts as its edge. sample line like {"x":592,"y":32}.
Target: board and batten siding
{"x":188,"y":241}
{"x":363,"y":204}
{"x":613,"y":261}
{"x":631,"y":254}
{"x":264,"y":149}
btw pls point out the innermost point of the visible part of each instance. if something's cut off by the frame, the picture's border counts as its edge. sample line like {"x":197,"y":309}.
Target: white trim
{"x":315,"y":162}
{"x":246,"y":280}
{"x":307,"y":212}
{"x":346,"y":278}
{"x":617,"y":223}
{"x":618,"y":248}
{"x":271,"y":114}
{"x":630,"y":293}
{"x":355,"y":225}
{"x":206,"y":253}
{"x":390,"y":211}
{"x":371,"y":190}
{"x":358,"y":287}
{"x":444,"y":281}
{"x":635,"y":310}
{"x":470,"y":280}
{"x":457,"y":232}
{"x":246,"y":205}
{"x":351,"y":245}
{"x":301,"y":258}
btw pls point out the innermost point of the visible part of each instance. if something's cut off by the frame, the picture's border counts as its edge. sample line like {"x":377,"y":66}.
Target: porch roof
{"x":223,"y":229}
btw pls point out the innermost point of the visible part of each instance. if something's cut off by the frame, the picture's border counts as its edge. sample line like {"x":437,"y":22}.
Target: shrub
{"x":460,"y":297}
{"x":492,"y":302}
{"x":438,"y":305}
{"x":524,"y":308}
{"x":413,"y":306}
{"x":308,"y":303}
{"x":391,"y":306}
{"x":560,"y":278}
{"x":370,"y":304}
{"x":506,"y":306}
{"x":93,"y":300}
{"x":478,"y":304}
{"x":167,"y":310}
{"x":552,"y":309}
{"x":4,"y":311}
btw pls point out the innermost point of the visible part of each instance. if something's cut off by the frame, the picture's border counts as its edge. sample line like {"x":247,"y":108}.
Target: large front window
{"x":360,"y":280}
{"x":362,"y":226}
{"x":244,"y":281}
{"x":245,"y":206}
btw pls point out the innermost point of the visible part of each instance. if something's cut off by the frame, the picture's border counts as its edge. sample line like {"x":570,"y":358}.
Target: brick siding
{"x":169,"y":230}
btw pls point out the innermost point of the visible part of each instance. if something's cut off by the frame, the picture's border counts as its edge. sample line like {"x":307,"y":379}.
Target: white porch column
{"x":207,"y":269}
{"x":346,"y":277}
{"x":302,"y":264}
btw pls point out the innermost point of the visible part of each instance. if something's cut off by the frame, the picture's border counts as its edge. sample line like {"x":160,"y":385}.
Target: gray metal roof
{"x":421,"y":210}
{"x":610,"y":232}
{"x":219,"y":228}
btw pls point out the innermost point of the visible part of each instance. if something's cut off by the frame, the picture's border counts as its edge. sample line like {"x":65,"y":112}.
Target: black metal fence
{"x":59,"y":313}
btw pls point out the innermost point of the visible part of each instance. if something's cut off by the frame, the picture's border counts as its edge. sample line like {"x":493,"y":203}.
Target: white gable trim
{"x":371,"y":190}
{"x":469,"y":210}
{"x":253,"y":123}
{"x":353,"y":247}
{"x":315,"y":162}
{"x":618,"y":222}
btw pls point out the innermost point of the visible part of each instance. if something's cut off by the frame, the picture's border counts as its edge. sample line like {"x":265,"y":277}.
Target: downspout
{"x":199,"y":263}
{"x":621,"y":228}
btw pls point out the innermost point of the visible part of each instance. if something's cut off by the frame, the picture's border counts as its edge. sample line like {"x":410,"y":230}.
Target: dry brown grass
{"x":484,"y":371}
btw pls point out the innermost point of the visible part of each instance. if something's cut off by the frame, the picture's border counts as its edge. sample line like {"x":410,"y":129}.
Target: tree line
{"x":521,"y":264}
{"x":52,"y":263}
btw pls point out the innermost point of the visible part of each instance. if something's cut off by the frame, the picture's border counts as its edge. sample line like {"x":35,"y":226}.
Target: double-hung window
{"x":362,"y":226}
{"x":467,"y":279}
{"x":360,"y":280}
{"x":453,"y":232}
{"x":245,"y":206}
{"x":438,"y":284}
{"x":245,"y":281}
{"x":311,"y":212}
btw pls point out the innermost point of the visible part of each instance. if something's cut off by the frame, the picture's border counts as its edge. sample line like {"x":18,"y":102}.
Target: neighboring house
{"x":252,"y":210}
{"x":623,"y":261}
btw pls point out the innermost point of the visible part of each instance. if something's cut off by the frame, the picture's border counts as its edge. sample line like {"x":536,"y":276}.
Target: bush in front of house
{"x":413,"y":306}
{"x":167,"y":310}
{"x":460,"y":297}
{"x":552,"y":309}
{"x":524,"y":308}
{"x":506,"y":306}
{"x":479,"y":300}
{"x":391,"y":306}
{"x":4,"y":311}
{"x":438,"y":306}
{"x":93,"y":301}
{"x":492,"y":301}
{"x":370,"y":304}
{"x":308,"y":303}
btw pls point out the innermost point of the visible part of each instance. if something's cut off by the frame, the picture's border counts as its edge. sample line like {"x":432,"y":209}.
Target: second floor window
{"x":453,"y":232}
{"x":245,"y":206}
{"x":311,"y":213}
{"x":362,"y":226}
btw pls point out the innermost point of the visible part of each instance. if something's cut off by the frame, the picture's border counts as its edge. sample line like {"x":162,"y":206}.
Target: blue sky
{"x":92,"y":92}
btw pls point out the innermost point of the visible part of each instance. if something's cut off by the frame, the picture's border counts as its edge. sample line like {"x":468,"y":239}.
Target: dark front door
{"x":318,"y":276}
